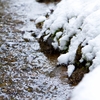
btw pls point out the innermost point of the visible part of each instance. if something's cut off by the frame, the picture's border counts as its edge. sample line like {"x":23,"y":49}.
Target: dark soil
{"x":47,"y":48}
{"x":77,"y":76}
{"x":47,"y":1}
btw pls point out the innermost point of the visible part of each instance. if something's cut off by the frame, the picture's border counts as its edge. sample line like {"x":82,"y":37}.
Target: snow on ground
{"x":25,"y":72}
{"x":40,"y":19}
{"x":89,"y":87}
{"x":77,"y":21}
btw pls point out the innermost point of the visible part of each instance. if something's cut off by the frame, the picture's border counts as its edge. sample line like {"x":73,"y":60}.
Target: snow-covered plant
{"x":74,"y":25}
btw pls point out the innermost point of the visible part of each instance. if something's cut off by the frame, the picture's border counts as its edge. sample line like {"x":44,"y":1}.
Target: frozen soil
{"x":25,"y":72}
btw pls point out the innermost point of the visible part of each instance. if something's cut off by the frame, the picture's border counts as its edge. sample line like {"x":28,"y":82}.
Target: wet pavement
{"x":25,"y":72}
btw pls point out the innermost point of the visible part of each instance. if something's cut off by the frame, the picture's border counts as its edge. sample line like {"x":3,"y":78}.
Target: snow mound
{"x":70,"y":70}
{"x":75,"y":22}
{"x":89,"y":87}
{"x":40,"y":19}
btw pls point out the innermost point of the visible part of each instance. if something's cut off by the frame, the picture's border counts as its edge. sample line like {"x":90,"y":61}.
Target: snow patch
{"x":70,"y":70}
{"x":89,"y":87}
{"x":40,"y":19}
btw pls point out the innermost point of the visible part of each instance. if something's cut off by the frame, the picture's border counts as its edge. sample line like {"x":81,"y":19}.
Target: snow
{"x":28,"y":36}
{"x":58,"y":34}
{"x":22,"y":62}
{"x":94,"y":51}
{"x":89,"y":87}
{"x":70,"y":70}
{"x":79,"y":21}
{"x":40,"y":19}
{"x":80,"y":24}
{"x":66,"y":58}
